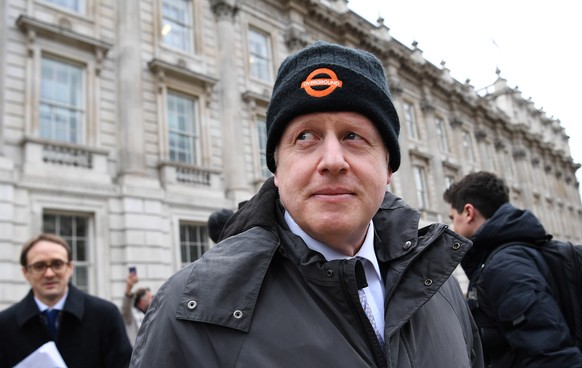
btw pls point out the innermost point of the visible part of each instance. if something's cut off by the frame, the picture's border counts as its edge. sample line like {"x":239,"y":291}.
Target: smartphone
{"x":132,"y":269}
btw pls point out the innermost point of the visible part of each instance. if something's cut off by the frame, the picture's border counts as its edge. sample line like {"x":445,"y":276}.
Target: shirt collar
{"x":366,"y":251}
{"x":59,"y":306}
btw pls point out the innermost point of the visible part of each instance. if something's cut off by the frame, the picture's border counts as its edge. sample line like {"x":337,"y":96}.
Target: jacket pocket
{"x":512,"y":312}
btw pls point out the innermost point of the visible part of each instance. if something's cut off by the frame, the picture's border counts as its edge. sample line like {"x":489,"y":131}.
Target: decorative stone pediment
{"x":34,"y":28}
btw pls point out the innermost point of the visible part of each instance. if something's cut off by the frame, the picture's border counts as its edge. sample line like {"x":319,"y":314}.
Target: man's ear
{"x":470,"y":212}
{"x":389,"y":178}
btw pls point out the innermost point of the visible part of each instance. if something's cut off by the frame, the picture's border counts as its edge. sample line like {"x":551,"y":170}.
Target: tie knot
{"x":51,"y":314}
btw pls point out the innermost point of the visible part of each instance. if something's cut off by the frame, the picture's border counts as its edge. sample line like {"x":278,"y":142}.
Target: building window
{"x":262,"y":139}
{"x":410,"y":120}
{"x":468,"y":147}
{"x":75,"y":230}
{"x":74,"y":5}
{"x":62,"y":107}
{"x":177,"y":24}
{"x":193,"y":242}
{"x":260,"y":55}
{"x":183,"y":130}
{"x":442,"y":135}
{"x":449,"y":179}
{"x":421,"y":186}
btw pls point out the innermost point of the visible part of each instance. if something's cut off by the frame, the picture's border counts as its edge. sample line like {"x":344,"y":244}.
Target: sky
{"x":533,"y":43}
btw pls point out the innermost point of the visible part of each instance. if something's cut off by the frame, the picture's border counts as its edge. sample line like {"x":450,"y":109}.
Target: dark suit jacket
{"x":91,"y":332}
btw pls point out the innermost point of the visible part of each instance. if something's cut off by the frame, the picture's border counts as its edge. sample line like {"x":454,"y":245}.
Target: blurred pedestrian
{"x":216,"y":222}
{"x":510,"y":295}
{"x":134,"y":305}
{"x":88,"y":331}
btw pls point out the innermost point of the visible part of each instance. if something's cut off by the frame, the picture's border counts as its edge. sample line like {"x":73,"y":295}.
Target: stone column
{"x":129,"y":93}
{"x":402,"y":177}
{"x":3,"y":41}
{"x":237,"y":187}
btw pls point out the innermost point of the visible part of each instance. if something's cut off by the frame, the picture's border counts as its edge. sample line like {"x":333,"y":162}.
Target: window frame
{"x":421,"y":186}
{"x":261,"y":127}
{"x":195,"y":135}
{"x":45,"y":39}
{"x":468,"y":147}
{"x":193,"y":31}
{"x":80,"y":109}
{"x":88,"y":264}
{"x":411,"y":121}
{"x":204,"y":241}
{"x":267,"y":59}
{"x":442,"y":134}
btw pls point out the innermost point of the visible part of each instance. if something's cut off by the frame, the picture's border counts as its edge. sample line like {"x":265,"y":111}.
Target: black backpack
{"x":565,"y":262}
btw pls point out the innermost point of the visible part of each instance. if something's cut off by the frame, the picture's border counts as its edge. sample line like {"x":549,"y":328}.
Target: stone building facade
{"x":124,"y":124}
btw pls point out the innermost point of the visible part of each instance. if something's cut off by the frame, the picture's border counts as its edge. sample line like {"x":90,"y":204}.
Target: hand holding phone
{"x":133,"y":270}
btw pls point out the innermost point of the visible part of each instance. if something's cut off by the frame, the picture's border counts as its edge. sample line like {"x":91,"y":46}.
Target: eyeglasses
{"x":57,"y":266}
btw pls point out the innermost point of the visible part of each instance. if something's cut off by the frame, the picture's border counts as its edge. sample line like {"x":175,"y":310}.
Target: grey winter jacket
{"x":262,"y":298}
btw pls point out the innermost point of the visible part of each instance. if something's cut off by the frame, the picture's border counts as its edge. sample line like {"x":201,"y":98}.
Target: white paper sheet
{"x":47,"y":356}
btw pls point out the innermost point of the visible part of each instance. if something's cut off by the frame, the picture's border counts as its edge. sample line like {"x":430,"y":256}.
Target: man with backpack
{"x":511,"y":290}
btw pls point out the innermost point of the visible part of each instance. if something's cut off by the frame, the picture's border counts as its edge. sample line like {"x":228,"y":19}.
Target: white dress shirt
{"x":375,"y":289}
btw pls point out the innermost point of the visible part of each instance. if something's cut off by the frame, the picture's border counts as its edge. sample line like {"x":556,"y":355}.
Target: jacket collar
{"x":416,"y":263}
{"x":28,"y":309}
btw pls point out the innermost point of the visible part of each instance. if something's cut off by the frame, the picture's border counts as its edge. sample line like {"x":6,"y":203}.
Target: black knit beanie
{"x":329,"y":77}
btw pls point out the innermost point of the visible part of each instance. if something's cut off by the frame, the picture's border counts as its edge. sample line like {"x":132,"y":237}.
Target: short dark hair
{"x":139,"y":294}
{"x":484,"y":190}
{"x":216,"y":222}
{"x":53,"y":238}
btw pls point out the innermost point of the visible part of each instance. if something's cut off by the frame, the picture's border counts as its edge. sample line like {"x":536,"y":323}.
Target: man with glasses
{"x":87,"y":331}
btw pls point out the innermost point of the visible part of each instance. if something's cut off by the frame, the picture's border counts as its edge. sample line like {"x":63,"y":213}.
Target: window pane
{"x":183,"y":137}
{"x":81,"y":278}
{"x":193,"y":242}
{"x":260,"y":55}
{"x":75,"y":5}
{"x":442,"y":136}
{"x":420,"y":181}
{"x":49,"y":224}
{"x":177,"y":24}
{"x":468,"y":147}
{"x":410,"y":120}
{"x":61,"y":110}
{"x":262,"y":138}
{"x":74,"y":229}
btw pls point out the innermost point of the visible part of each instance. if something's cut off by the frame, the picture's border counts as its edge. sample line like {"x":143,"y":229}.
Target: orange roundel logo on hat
{"x":329,"y":84}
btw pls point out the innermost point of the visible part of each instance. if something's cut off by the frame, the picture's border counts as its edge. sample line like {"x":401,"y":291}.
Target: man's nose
{"x":49,"y":272}
{"x":332,"y":157}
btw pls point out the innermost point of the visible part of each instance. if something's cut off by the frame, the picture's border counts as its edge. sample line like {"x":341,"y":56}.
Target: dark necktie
{"x":51,"y":319}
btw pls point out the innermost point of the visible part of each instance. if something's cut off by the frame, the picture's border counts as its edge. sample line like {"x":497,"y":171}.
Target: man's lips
{"x":333,"y":192}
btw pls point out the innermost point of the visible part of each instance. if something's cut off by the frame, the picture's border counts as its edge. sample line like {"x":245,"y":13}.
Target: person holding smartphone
{"x":135,"y":304}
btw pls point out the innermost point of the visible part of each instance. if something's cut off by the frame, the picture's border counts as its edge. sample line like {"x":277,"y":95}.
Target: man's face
{"x":332,"y":172}
{"x":145,"y":301}
{"x":460,"y":223}
{"x":49,"y":285}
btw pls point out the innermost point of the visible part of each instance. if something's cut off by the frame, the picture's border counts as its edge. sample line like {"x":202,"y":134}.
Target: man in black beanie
{"x":323,"y":267}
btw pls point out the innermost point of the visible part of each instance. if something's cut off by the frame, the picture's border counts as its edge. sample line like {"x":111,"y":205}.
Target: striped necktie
{"x":366,"y":306}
